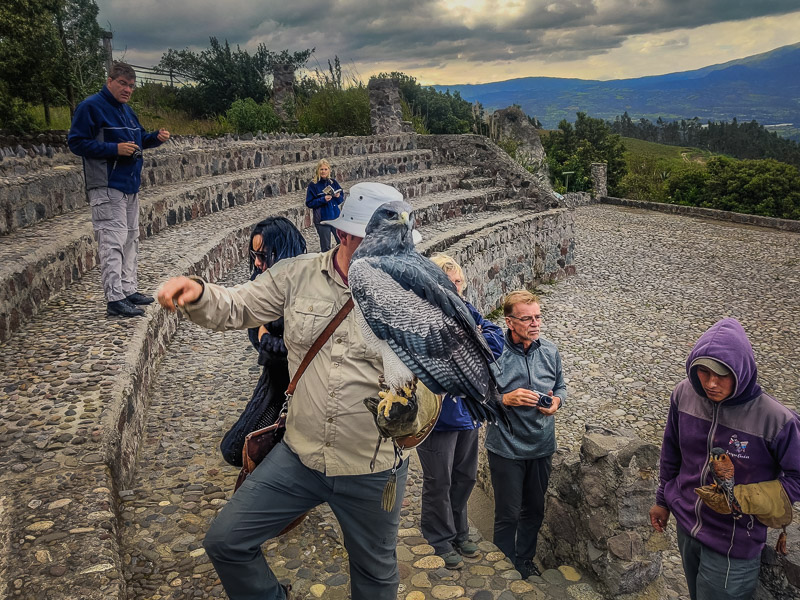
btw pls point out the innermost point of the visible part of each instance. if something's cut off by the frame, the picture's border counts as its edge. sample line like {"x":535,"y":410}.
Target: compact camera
{"x":545,"y":401}
{"x":137,"y":154}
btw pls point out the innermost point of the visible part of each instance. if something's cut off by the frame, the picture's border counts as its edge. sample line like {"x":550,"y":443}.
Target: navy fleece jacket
{"x":99,"y":124}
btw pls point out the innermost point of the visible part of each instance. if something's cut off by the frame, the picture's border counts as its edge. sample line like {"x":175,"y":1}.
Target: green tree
{"x":574,"y":149}
{"x":30,"y":53}
{"x":82,"y":54}
{"x":223,"y":75}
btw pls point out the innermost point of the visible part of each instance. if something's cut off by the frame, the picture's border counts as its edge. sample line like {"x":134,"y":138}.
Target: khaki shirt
{"x":328,"y":426}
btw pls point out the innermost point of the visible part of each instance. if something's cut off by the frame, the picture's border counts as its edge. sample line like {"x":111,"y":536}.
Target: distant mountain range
{"x":764,"y":87}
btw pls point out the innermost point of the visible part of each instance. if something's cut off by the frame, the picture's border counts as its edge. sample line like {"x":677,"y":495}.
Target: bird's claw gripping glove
{"x":766,"y":501}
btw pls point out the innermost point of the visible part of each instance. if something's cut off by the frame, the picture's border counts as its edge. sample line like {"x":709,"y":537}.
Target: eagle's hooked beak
{"x":404,"y":217}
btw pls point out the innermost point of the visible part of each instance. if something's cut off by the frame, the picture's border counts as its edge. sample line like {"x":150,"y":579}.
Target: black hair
{"x":279,"y":239}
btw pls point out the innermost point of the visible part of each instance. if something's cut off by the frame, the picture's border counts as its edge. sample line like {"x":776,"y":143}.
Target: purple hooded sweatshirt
{"x":761,"y":436}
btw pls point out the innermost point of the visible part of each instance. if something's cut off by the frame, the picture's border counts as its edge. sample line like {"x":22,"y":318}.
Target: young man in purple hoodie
{"x":721,"y":405}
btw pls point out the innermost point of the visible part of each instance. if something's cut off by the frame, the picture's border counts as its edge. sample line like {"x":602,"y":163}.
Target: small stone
{"x":569,"y":573}
{"x":520,"y":587}
{"x":411,"y":531}
{"x":40,"y":526}
{"x":421,"y":580}
{"x":57,"y":570}
{"x":317,"y":590}
{"x":59,"y":503}
{"x":447,"y":592}
{"x":34,"y":504}
{"x":43,"y":556}
{"x":422,"y":549}
{"x":429,"y":562}
{"x":494,"y":556}
{"x":415,"y":596}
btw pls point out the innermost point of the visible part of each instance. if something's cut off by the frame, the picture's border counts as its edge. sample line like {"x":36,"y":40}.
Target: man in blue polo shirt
{"x":107,"y":135}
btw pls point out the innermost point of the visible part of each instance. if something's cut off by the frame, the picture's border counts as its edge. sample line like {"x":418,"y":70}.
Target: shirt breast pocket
{"x":307,"y":320}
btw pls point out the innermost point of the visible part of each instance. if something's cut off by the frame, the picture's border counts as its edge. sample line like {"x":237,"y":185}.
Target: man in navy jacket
{"x":107,"y":135}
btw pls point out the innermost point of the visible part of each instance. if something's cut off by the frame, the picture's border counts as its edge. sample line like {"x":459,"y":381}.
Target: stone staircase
{"x":75,"y":406}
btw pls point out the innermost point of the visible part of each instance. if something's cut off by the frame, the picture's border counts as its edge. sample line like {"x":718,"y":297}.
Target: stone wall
{"x":709,"y":213}
{"x":44,"y":188}
{"x":489,"y":160}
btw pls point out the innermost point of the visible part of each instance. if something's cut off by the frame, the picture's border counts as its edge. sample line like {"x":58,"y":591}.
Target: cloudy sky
{"x":466,"y":41}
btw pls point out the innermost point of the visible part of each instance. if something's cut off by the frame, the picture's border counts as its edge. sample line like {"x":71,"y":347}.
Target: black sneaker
{"x":137,"y":298}
{"x":123,"y":308}
{"x":528,"y":569}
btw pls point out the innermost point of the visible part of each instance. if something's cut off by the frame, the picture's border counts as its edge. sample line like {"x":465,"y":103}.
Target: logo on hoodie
{"x":740,"y":446}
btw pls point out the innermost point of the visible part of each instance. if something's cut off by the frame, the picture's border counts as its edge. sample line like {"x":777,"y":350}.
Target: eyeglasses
{"x":526,"y":319}
{"x":263,"y":256}
{"x":125,"y":84}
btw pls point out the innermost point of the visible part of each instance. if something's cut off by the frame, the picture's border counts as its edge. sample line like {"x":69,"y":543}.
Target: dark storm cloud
{"x":417,"y":32}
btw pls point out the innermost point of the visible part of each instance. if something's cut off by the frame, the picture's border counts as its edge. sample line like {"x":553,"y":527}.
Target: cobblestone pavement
{"x":648,"y":284}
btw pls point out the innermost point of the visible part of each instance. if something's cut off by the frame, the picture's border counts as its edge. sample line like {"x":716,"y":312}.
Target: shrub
{"x":249,"y":116}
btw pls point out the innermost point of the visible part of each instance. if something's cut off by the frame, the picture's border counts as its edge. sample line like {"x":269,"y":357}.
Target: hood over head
{"x":726,"y":342}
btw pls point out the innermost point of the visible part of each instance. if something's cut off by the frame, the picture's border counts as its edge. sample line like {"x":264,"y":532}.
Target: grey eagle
{"x":410,"y":313}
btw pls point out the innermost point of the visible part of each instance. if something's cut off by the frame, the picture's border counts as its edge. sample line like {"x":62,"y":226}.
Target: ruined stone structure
{"x":599,"y":180}
{"x":283,"y":91}
{"x":385,"y":112}
{"x":511,"y":124}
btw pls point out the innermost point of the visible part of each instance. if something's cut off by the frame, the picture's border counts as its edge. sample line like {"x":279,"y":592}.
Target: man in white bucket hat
{"x":330,"y":435}
{"x":362,"y":201}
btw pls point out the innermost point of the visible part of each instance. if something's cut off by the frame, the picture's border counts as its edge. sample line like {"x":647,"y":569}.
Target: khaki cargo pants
{"x":115,"y":217}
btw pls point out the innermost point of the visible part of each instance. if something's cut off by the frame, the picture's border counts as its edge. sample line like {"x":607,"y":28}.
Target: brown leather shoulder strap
{"x":323,"y":337}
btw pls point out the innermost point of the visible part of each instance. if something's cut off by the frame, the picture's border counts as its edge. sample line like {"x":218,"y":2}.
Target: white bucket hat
{"x":362,"y":201}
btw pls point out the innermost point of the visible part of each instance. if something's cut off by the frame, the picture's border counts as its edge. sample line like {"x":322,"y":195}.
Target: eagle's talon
{"x":389,"y":398}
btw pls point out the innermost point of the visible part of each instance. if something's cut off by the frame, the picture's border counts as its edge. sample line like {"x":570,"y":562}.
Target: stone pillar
{"x":597,"y":511}
{"x":599,"y":180}
{"x":283,"y":91}
{"x":385,"y":110}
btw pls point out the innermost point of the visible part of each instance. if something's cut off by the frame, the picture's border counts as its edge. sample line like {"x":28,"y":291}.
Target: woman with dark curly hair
{"x":271,"y":240}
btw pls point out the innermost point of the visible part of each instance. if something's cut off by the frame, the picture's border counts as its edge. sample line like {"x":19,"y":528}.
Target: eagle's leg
{"x":389,"y":397}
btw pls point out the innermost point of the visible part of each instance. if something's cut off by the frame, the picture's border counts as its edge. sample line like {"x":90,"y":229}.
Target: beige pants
{"x":115,"y":217}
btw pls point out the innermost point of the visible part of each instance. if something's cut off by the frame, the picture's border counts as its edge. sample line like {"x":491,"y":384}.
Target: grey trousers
{"x":712,"y":576}
{"x":115,"y":217}
{"x":325,"y":232}
{"x":281,"y":489}
{"x":449,"y":462}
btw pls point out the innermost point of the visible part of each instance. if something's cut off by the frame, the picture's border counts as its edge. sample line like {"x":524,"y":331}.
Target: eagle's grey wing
{"x":426,"y":330}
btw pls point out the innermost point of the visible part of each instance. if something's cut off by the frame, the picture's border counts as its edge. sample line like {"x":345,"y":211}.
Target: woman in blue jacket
{"x":449,"y":456}
{"x":324,"y":196}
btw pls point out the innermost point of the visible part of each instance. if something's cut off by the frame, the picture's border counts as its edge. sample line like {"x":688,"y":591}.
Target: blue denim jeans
{"x":712,"y":576}
{"x":281,"y":489}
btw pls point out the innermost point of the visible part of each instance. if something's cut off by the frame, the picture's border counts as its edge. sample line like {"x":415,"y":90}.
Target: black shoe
{"x":528,"y":569}
{"x":123,"y":308}
{"x":286,"y":590}
{"x":137,"y":298}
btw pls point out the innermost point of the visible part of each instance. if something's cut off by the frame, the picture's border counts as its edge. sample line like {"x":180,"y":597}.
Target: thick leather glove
{"x":714,"y":499}
{"x":767,"y":501}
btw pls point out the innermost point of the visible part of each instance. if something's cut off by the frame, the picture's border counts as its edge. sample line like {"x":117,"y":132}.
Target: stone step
{"x":56,"y":186}
{"x":474,"y":183}
{"x":38,"y":262}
